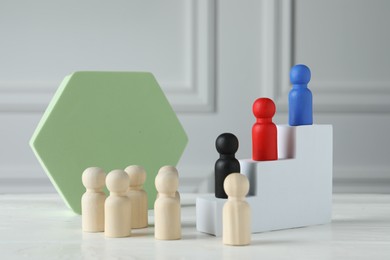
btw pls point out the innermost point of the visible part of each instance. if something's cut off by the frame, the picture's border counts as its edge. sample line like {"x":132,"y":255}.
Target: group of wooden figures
{"x":126,"y":207}
{"x":234,"y":186}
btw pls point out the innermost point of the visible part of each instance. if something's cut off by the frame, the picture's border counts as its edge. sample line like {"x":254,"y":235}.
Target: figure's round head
{"x":117,"y":181}
{"x":94,"y":178}
{"x":264,"y":108}
{"x":300,"y":74}
{"x":236,"y":185}
{"x":137,"y":175}
{"x":167,"y":180}
{"x":226,"y":143}
{"x":168,"y":168}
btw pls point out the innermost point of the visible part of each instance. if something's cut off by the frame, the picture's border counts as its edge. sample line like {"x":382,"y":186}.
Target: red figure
{"x":264,"y":133}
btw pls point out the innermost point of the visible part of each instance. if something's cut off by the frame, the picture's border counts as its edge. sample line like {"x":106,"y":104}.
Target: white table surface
{"x":40,"y":226}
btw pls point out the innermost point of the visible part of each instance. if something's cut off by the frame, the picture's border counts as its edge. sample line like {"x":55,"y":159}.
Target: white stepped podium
{"x":293,"y":191}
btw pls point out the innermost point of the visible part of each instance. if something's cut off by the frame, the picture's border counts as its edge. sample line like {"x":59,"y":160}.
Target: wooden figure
{"x":300,"y":98}
{"x":226,"y":145}
{"x":117,"y":207}
{"x":173,"y":170}
{"x":92,"y":201}
{"x":167,"y":219}
{"x":138,"y":196}
{"x":264,"y":131}
{"x":236,"y":218}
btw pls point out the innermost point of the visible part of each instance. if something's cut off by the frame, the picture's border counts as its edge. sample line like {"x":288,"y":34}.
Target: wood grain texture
{"x":167,"y":206}
{"x":138,"y":196}
{"x":117,"y":208}
{"x":92,"y":201}
{"x":236,"y":216}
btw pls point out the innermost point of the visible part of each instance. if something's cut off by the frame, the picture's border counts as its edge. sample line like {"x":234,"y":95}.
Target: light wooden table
{"x":42,"y":227}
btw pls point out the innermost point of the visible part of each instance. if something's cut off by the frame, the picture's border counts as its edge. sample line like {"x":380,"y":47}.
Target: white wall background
{"x":213,"y":59}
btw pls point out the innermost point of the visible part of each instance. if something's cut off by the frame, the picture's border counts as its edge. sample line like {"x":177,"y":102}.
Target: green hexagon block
{"x":110,"y":120}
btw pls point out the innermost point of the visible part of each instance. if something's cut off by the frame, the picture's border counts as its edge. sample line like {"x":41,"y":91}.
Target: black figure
{"x":227,"y":146}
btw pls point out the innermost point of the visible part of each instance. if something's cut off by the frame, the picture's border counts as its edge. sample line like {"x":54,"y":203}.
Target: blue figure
{"x":300,"y":99}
